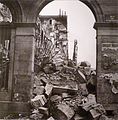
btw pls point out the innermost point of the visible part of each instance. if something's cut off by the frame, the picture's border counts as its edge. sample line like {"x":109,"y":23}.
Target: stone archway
{"x":23,"y":36}
{"x":106,"y":28}
{"x":93,"y":5}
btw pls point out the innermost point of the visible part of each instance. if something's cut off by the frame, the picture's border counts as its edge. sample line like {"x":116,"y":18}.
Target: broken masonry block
{"x":83,"y":89}
{"x":63,"y":112}
{"x":39,"y":90}
{"x":65,"y":95}
{"x":43,"y":110}
{"x":94,"y":113}
{"x":88,"y":102}
{"x":43,"y":79}
{"x":81,"y":77}
{"x":91,"y":98}
{"x":48,"y":89}
{"x":60,"y":90}
{"x":37,"y":81}
{"x":87,"y":106}
{"x":56,"y":99}
{"x":38,"y":101}
{"x":99,"y":108}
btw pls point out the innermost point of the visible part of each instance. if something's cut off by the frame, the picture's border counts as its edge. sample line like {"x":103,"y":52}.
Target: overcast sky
{"x":80,"y":26}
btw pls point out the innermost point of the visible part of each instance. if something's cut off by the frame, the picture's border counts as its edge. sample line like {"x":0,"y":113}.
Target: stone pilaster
{"x":107,"y":63}
{"x":23,"y":61}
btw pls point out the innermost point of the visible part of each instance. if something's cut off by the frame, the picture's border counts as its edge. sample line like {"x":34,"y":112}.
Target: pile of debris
{"x":65,"y":92}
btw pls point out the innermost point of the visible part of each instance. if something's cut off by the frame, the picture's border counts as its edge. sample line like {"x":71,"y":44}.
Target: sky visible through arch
{"x":80,"y":26}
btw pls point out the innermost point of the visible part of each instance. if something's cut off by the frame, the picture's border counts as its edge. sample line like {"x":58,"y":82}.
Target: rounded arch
{"x":15,"y":9}
{"x":93,"y":5}
{"x":95,"y":8}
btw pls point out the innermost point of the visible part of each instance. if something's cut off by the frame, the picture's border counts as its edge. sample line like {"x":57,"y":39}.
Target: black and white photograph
{"x":58,"y":59}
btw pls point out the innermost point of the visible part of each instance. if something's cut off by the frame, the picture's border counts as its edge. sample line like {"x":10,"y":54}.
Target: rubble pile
{"x":65,"y":93}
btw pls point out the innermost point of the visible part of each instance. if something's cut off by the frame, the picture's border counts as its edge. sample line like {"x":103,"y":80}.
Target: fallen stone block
{"x":37,"y":81}
{"x":97,"y":110}
{"x":48,"y":89}
{"x":65,"y":95}
{"x":94,"y":113}
{"x":81,"y":77}
{"x":88,"y":102}
{"x":83,"y":89}
{"x":39,"y":101}
{"x":56,"y":99}
{"x":60,"y":90}
{"x":87,"y":106}
{"x":39,"y":90}
{"x":91,"y":98}
{"x":43,"y":110}
{"x":63,"y":112}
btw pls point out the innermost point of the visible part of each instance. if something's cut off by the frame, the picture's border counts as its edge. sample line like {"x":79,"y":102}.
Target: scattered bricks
{"x":48,"y":89}
{"x":63,"y":112}
{"x":38,"y":101}
{"x":51,"y":118}
{"x":83,"y":89}
{"x":43,"y":110}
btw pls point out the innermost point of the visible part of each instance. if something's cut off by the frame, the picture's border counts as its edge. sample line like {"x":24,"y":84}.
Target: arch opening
{"x":77,"y":25}
{"x":5,"y":14}
{"x":5,"y":38}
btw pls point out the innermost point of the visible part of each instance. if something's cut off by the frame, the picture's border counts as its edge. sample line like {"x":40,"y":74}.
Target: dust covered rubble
{"x":66,"y":93}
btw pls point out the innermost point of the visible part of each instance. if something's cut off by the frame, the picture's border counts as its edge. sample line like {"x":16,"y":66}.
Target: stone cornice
{"x":110,"y":24}
{"x":15,"y":25}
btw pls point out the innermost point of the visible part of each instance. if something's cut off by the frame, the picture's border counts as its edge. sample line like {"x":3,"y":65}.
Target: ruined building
{"x":51,"y":39}
{"x":21,"y":33}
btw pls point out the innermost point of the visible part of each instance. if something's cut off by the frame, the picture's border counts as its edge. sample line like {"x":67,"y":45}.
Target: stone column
{"x":107,"y":64}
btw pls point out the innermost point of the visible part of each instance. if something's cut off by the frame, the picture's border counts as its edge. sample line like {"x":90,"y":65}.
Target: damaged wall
{"x":51,"y":39}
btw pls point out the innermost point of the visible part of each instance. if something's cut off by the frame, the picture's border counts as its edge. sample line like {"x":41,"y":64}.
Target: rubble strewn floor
{"x":65,"y":93}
